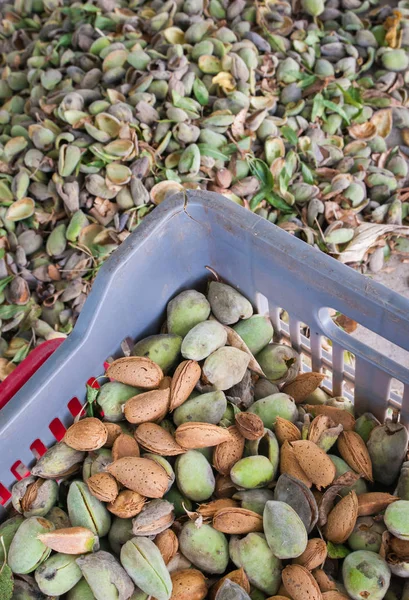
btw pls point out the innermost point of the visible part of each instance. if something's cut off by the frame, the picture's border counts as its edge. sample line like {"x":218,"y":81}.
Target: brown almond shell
{"x":338,"y":415}
{"x":237,"y":576}
{"x":373,"y":503}
{"x":249,"y":425}
{"x":237,"y":521}
{"x":303,"y":385}
{"x":103,"y":486}
{"x":183,"y":382}
{"x":341,"y":520}
{"x":286,"y":431}
{"x":86,"y":435}
{"x":290,"y":465}
{"x":314,"y":555}
{"x":127,"y":504}
{"x":353,"y":450}
{"x":226,"y":454}
{"x":200,"y":435}
{"x":157,"y":440}
{"x":300,"y":583}
{"x":140,"y":475}
{"x":315,"y":463}
{"x":168,"y":544}
{"x":137,"y":371}
{"x":147,"y":407}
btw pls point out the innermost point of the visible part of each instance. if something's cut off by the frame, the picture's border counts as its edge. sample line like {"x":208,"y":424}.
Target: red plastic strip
{"x":5,"y":495}
{"x":57,"y":429}
{"x":19,"y":470}
{"x":26,"y":369}
{"x":38,"y":448}
{"x":74,"y":406}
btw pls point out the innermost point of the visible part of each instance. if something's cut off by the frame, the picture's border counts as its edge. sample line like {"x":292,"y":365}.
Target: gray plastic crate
{"x":169,"y":253}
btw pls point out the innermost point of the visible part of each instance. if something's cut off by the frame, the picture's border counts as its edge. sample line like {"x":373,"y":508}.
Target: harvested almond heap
{"x":208,"y":466}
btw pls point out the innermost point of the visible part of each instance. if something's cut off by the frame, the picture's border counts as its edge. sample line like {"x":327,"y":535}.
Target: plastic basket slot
{"x":38,"y":448}
{"x":19,"y":470}
{"x":74,"y":406}
{"x":57,"y":429}
{"x":5,"y":495}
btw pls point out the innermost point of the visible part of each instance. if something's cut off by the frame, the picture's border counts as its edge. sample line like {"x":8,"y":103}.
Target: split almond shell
{"x":300,"y":583}
{"x":355,"y":453}
{"x":157,"y":440}
{"x":237,"y":521}
{"x":315,"y":463}
{"x":183,"y":382}
{"x":137,"y":371}
{"x":86,"y":435}
{"x":168,"y":544}
{"x":249,"y":425}
{"x":147,"y":407}
{"x":373,"y":503}
{"x":127,"y":504}
{"x":140,"y":475}
{"x":200,"y":435}
{"x":338,"y":415}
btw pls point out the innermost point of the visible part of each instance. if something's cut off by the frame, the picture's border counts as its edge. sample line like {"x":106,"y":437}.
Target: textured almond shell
{"x":137,"y":371}
{"x":127,"y":504}
{"x":325,"y":582}
{"x":372,"y":503}
{"x":86,"y":435}
{"x":334,"y":595}
{"x":157,"y":440}
{"x":200,"y":435}
{"x":209,"y":509}
{"x":249,"y":425}
{"x":224,"y":488}
{"x":103,"y":486}
{"x":226,"y":454}
{"x":189,"y":584}
{"x":113,"y":430}
{"x":353,"y":450}
{"x":237,"y":521}
{"x":290,"y":465}
{"x":147,"y":407}
{"x":237,"y":576}
{"x":341,"y":520}
{"x":168,"y":544}
{"x":300,"y":583}
{"x":165,"y":383}
{"x":183,"y":382}
{"x":303,"y":385}
{"x":286,"y":431}
{"x":315,"y":463}
{"x":338,"y":415}
{"x":314,"y":555}
{"x":124,"y":445}
{"x":140,"y":475}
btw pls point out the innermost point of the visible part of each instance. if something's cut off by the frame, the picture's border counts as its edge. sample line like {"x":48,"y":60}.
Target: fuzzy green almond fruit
{"x":185,"y":311}
{"x":144,"y":564}
{"x":87,"y":511}
{"x":8,"y":530}
{"x":252,"y":472}
{"x":205,"y":408}
{"x":194,"y":476}
{"x":402,"y":490}
{"x":227,"y":304}
{"x":231,"y":591}
{"x":205,"y":547}
{"x":256,"y":332}
{"x":163,"y":349}
{"x":58,"y":574}
{"x":35,"y":552}
{"x":367,"y":535}
{"x":59,"y":460}
{"x":43,"y":502}
{"x":264,"y":388}
{"x":105,"y":576}
{"x":267,"y":445}
{"x":313,"y":7}
{"x":397,"y":519}
{"x":120,"y":532}
{"x":387,"y":446}
{"x":255,"y":499}
{"x":253,"y":554}
{"x":279,"y":362}
{"x":112,"y":396}
{"x":365,"y":424}
{"x":285,"y":532}
{"x":365,"y":575}
{"x":81,"y":591}
{"x":226,"y":367}
{"x":203,"y":339}
{"x":395,"y":60}
{"x":276,"y":405}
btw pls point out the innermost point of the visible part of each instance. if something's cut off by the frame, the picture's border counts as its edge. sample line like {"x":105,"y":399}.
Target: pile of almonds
{"x":215,"y":469}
